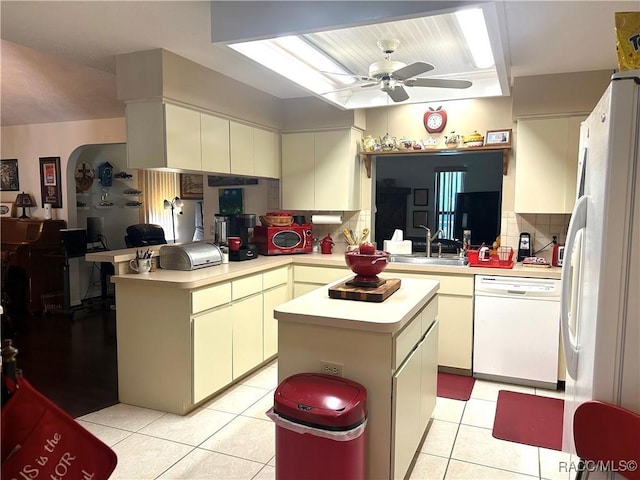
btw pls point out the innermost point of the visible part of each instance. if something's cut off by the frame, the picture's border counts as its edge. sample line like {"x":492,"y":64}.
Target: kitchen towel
{"x":529,"y":419}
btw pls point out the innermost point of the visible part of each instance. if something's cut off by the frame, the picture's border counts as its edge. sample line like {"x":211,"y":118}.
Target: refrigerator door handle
{"x":570,"y":285}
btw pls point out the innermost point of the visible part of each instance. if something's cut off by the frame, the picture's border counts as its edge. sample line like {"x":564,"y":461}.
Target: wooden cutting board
{"x":363,"y":294}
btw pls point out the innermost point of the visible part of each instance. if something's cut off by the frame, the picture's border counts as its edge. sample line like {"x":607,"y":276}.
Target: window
{"x":448,"y":184}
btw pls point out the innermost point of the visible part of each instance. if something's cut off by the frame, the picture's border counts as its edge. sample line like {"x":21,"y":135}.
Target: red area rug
{"x":456,"y":387}
{"x":529,"y":419}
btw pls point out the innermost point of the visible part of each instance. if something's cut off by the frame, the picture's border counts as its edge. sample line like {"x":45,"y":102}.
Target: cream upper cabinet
{"x":214,"y":132}
{"x":266,"y":146}
{"x":163,"y":135}
{"x":546,"y":164}
{"x":242,"y":161}
{"x":320,"y":170}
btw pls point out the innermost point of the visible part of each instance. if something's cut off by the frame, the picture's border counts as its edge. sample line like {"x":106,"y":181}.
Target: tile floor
{"x":231,"y":438}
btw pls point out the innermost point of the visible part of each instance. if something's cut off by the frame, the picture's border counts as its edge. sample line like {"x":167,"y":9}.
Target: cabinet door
{"x":272,"y":298}
{"x":214,"y":133}
{"x":145,"y":135}
{"x":335,"y":166}
{"x":266,"y":153}
{"x":182,"y":138}
{"x":247,"y":334}
{"x":297,"y":171}
{"x":456,"y":331}
{"x":241,"y":148}
{"x":212,"y":354}
{"x":546,"y":160}
{"x":405,"y":410}
{"x":429,"y":375}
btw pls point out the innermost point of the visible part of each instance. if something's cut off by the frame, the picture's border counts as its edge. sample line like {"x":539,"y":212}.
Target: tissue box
{"x":402,"y":247}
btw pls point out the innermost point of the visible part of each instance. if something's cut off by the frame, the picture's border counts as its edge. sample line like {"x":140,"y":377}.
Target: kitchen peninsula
{"x":185,"y":335}
{"x":390,"y":347}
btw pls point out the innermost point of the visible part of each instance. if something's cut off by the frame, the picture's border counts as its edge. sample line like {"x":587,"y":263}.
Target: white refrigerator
{"x":600,"y":314}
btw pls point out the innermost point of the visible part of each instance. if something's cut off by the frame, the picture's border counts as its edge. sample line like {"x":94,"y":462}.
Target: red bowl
{"x":367,"y":265}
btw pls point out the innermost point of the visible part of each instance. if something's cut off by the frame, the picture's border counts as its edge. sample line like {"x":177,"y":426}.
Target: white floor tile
{"x":469,"y":471}
{"x":141,"y":457}
{"x":477,"y":445}
{"x":550,"y":393}
{"x":245,"y":437}
{"x":440,"y":438}
{"x":267,"y":473}
{"x":486,"y":390}
{"x":236,"y":399}
{"x":108,"y":435}
{"x":125,"y":417}
{"x":192,"y":429}
{"x":448,"y":409}
{"x":555,"y":465}
{"x":429,"y":467}
{"x":257,"y":409}
{"x":479,"y":413}
{"x":266,"y":378}
{"x":206,"y":465}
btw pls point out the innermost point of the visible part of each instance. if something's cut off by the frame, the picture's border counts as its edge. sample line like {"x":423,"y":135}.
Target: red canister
{"x":326,"y":244}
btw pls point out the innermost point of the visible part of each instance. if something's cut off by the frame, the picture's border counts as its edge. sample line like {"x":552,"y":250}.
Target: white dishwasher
{"x":516,"y":330}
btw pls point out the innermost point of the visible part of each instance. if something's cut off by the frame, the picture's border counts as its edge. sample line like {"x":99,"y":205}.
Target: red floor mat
{"x":456,"y":387}
{"x":529,"y":419}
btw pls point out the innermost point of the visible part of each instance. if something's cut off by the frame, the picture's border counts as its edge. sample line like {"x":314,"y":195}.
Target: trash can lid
{"x":322,"y":401}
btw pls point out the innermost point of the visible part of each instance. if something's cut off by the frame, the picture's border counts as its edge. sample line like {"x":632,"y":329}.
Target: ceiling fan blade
{"x":412,"y":70}
{"x":373,"y":84}
{"x":359,"y":78}
{"x":398,"y":94}
{"x":437,"y":83}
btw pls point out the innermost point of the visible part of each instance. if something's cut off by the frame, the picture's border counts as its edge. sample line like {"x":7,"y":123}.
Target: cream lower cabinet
{"x":455,"y":314}
{"x":307,"y":278}
{"x":212,"y":352}
{"x":321,"y":170}
{"x":246,"y":315}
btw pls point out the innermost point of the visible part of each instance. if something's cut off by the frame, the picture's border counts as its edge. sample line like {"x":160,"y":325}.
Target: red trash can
{"x":320,"y":428}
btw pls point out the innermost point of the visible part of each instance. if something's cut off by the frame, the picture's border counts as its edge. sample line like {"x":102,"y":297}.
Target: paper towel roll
{"x":326,"y":219}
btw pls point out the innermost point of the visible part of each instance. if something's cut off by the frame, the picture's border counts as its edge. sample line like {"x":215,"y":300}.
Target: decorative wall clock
{"x":435,"y":120}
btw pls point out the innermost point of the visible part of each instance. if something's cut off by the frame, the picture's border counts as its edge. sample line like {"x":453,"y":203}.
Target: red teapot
{"x":326,"y":244}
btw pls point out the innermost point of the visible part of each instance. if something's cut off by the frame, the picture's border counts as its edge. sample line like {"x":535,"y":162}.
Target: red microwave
{"x":283,"y":240}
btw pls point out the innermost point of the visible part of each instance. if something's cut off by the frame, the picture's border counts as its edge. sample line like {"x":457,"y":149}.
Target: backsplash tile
{"x":542,"y":227}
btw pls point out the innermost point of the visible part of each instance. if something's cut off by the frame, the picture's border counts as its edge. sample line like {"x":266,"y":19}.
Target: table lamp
{"x":25,"y":201}
{"x":174,"y":204}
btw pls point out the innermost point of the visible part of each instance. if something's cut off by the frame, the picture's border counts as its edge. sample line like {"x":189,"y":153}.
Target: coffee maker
{"x":241,"y":225}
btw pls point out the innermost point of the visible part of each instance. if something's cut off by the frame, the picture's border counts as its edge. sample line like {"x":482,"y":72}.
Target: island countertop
{"x":317,"y":308}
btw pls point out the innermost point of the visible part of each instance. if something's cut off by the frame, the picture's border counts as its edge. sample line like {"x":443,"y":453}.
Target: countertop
{"x":317,"y":308}
{"x":224,"y":272}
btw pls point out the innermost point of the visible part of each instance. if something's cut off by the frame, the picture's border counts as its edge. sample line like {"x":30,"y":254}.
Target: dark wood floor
{"x":71,"y":361}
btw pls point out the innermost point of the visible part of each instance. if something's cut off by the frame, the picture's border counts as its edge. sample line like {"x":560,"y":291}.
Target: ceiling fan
{"x":392,"y":76}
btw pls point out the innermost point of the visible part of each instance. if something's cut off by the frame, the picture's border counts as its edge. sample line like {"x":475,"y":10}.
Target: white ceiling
{"x":70,"y":75}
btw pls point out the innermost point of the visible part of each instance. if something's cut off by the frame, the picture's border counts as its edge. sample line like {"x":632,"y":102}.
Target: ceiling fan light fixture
{"x":474,"y":30}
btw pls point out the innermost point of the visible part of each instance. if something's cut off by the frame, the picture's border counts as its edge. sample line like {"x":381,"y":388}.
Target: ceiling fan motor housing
{"x":384,"y":67}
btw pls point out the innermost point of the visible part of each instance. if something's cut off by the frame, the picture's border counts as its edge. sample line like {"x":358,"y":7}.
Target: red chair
{"x":607,"y":436}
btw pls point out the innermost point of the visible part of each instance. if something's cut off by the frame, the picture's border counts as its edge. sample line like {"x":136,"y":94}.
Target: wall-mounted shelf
{"x":366,"y":156}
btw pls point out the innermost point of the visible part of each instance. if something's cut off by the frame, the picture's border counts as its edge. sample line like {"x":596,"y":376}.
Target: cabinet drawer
{"x":246,"y":286}
{"x":429,"y":314}
{"x":319,"y":275}
{"x":404,"y":342}
{"x":449,"y":284}
{"x":276,"y":277}
{"x":210,"y":297}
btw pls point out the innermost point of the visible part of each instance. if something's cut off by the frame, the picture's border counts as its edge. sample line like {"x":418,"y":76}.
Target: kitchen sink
{"x":453,"y":261}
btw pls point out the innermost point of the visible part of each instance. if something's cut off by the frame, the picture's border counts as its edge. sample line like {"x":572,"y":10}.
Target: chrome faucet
{"x":430,"y":239}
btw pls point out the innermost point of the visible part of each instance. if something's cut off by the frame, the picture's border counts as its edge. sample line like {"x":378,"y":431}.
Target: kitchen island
{"x":390,"y":347}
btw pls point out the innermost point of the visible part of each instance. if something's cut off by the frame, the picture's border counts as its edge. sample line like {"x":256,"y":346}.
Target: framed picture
{"x":498,"y":137}
{"x":222,"y":181}
{"x":9,"y":181}
{"x":6,"y":209}
{"x":421,"y":197}
{"x":230,"y":200}
{"x":420,"y":218}
{"x":191,"y":186}
{"x":50,"y":184}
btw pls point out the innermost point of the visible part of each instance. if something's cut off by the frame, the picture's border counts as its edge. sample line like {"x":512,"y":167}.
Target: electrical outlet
{"x":331,"y":368}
